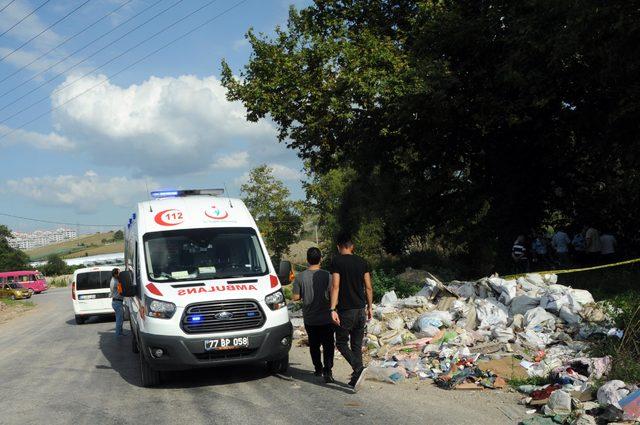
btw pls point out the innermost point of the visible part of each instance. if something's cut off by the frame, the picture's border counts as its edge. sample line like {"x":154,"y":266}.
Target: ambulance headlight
{"x":160,"y":309}
{"x":275,"y":301}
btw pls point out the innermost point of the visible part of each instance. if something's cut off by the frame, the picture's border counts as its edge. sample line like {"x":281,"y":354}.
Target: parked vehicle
{"x":201,"y":290}
{"x":90,"y":293}
{"x":15,"y":291}
{"x":30,"y":279}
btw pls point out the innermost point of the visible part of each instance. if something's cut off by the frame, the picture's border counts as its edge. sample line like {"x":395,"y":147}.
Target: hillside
{"x":79,"y":247}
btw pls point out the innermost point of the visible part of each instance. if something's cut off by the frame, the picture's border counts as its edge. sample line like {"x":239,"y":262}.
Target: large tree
{"x":278,"y":217}
{"x":11,"y":258}
{"x":473,"y":121}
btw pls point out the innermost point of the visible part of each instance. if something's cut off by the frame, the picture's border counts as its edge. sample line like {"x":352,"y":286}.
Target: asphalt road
{"x":53,"y":371}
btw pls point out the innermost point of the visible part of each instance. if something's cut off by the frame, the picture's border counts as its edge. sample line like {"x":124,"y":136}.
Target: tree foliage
{"x":118,"y":235}
{"x":55,"y":266}
{"x":10,"y":258}
{"x":471,"y":121}
{"x":279,"y":218}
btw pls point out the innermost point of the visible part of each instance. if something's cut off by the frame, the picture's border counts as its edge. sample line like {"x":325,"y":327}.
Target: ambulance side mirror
{"x":284,"y":272}
{"x":126,"y":281}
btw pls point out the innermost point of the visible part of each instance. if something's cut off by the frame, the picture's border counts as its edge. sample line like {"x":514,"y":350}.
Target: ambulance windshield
{"x":203,"y":254}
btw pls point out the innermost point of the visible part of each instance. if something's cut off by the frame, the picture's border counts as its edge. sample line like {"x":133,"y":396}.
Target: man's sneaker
{"x":359,"y":379}
{"x":354,"y":378}
{"x":318,"y":372}
{"x":328,"y":378}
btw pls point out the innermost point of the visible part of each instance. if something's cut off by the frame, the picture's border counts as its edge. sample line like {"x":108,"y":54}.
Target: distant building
{"x":38,"y":238}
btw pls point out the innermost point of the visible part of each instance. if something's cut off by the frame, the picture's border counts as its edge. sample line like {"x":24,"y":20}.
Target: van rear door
{"x":92,"y":290}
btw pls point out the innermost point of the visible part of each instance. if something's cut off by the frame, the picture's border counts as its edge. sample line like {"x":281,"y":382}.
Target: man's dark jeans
{"x":349,"y":336}
{"x":321,"y":336}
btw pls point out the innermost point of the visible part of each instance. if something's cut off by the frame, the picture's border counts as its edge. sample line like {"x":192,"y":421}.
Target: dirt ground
{"x":13,"y":310}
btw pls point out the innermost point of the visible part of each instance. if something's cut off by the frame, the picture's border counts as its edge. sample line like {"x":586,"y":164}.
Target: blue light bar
{"x":195,"y":318}
{"x":157,"y":194}
{"x":133,"y":216}
{"x":164,"y":193}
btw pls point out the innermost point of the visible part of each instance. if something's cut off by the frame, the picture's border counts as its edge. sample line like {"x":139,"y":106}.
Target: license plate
{"x":87,"y":297}
{"x":226,"y":343}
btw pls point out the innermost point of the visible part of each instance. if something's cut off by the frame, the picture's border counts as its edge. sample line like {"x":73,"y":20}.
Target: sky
{"x":94,"y":111}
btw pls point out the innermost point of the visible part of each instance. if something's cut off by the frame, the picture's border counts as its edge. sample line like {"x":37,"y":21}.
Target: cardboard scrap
{"x":506,"y":367}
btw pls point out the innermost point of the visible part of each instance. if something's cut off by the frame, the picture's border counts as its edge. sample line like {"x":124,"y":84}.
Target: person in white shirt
{"x":608,"y":246}
{"x":560,"y":243}
{"x":593,"y":245}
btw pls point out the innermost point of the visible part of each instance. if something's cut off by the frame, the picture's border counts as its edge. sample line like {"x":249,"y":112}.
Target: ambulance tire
{"x":278,"y":366}
{"x":134,"y":344}
{"x":79,"y":320}
{"x":150,"y":377}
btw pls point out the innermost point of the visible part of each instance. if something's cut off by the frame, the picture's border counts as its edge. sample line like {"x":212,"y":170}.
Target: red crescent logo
{"x":169,"y":217}
{"x":222,"y":217}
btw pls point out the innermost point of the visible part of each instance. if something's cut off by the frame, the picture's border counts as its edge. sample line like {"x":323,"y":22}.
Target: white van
{"x":90,"y":293}
{"x":201,"y":290}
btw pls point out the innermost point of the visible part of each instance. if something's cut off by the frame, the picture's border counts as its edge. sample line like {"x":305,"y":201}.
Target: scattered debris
{"x":478,"y":335}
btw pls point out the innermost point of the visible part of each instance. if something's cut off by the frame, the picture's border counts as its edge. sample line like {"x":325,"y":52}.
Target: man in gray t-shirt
{"x":312,"y":287}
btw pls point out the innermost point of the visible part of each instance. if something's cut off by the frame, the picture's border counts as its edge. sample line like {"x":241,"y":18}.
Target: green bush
{"x":59,"y":283}
{"x":383,"y":282}
{"x":288,"y":293}
{"x":625,"y":352}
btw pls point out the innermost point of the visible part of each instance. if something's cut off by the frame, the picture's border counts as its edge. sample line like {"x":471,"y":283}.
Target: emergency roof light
{"x":158,"y":194}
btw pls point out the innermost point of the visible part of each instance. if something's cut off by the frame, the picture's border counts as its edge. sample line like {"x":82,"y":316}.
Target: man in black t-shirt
{"x":351,"y":305}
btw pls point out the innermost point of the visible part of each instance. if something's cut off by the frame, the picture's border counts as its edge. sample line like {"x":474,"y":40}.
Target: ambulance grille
{"x":222,"y":316}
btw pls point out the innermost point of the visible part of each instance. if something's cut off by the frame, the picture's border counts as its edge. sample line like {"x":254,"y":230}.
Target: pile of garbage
{"x":476,"y":335}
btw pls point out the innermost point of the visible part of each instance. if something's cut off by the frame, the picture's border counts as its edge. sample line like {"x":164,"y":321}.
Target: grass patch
{"x":605,"y":283}
{"x":625,"y":352}
{"x":14,"y":303}
{"x":59,"y":282}
{"x":531,"y":380}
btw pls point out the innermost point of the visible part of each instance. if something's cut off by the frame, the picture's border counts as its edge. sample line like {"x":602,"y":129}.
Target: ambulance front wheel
{"x":150,"y":376}
{"x":278,"y":366}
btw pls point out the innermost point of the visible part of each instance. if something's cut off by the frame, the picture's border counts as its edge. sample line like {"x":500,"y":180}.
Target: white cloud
{"x":240,"y":44}
{"x":85,"y":194}
{"x":24,"y":57}
{"x":27,"y":28}
{"x":280,"y":171}
{"x":39,"y":140}
{"x":234,"y":160}
{"x":164,"y":126}
{"x":283,"y":172}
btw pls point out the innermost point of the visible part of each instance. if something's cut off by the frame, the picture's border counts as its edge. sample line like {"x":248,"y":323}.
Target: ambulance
{"x":199,"y":286}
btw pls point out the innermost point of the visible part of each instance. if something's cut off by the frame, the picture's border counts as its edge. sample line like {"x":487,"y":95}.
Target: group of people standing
{"x":336,"y":305}
{"x":588,"y":247}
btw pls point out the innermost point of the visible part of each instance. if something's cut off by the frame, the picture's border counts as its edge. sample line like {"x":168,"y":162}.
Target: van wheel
{"x":150,"y":377}
{"x":79,"y":320}
{"x":278,"y":366}
{"x":134,"y":344}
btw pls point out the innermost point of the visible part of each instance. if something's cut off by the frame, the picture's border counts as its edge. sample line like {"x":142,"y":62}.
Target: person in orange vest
{"x":117,"y":301}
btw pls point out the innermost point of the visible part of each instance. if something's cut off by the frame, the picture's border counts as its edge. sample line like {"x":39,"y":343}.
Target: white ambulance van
{"x":201,"y":290}
{"x":90,"y":293}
